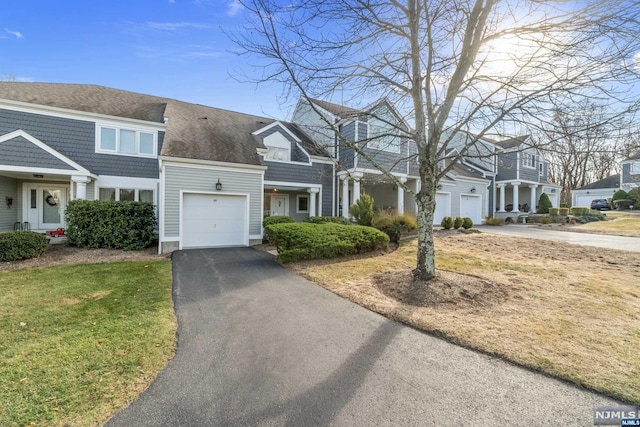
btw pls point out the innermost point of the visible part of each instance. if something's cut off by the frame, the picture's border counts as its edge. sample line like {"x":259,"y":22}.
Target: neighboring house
{"x":602,"y":189}
{"x":464,"y":192}
{"x":630,"y":173}
{"x":213,"y":174}
{"x":522,"y":177}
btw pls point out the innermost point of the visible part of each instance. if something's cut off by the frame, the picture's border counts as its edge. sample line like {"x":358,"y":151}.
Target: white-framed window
{"x":529,"y":160}
{"x":278,"y":148}
{"x":130,"y":142}
{"x":382,"y":135}
{"x":635,"y":168}
{"x":122,"y":194}
{"x":302,"y":203}
{"x":541,"y":169}
{"x":278,"y":153}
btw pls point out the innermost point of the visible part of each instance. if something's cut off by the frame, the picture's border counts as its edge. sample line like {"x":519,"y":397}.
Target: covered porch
{"x":36,"y":184}
{"x":521,"y":197}
{"x":387,"y":195}
{"x":297,"y":201}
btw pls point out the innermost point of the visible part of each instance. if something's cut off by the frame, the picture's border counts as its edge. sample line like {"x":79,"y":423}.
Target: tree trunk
{"x":426,"y":200}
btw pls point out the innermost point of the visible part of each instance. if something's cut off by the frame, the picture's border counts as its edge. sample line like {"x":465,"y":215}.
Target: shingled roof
{"x":336,"y":109}
{"x":612,"y":181}
{"x":193,"y":131}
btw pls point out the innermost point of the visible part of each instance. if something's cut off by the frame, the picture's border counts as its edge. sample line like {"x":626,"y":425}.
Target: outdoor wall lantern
{"x":553,"y":190}
{"x":9,"y":201}
{"x":473,"y":189}
{"x":218,"y":185}
{"x":439,"y":187}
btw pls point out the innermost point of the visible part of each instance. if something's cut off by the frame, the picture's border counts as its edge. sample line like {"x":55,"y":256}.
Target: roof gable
{"x":21,"y":150}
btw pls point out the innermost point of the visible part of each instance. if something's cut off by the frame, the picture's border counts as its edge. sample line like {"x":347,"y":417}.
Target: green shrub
{"x":16,"y":245}
{"x":619,"y":195}
{"x":457,"y":222}
{"x":362,"y":210}
{"x":110,"y":225}
{"x":592,"y":216}
{"x":508,"y":220}
{"x":447,"y":223}
{"x":330,"y":219}
{"x":544,"y":204}
{"x":623,"y":204}
{"x":277,"y":219}
{"x":562,"y":211}
{"x":467,"y":223}
{"x":634,"y":194}
{"x":394,"y":225}
{"x":546,"y":220}
{"x":493,"y":221}
{"x":300,"y":241}
{"x":554,"y":211}
{"x":580,"y":210}
{"x":564,"y":205}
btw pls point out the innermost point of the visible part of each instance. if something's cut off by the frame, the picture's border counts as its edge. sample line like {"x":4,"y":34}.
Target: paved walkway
{"x":536,"y":232}
{"x":260,"y":346}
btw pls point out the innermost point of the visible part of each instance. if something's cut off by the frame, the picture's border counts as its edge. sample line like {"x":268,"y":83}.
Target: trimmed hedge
{"x":277,"y":219}
{"x":447,"y":223}
{"x":110,"y":225}
{"x":329,"y":219}
{"x":563,"y":211}
{"x":467,"y":223}
{"x":301,"y":241}
{"x":554,"y":211}
{"x":580,"y":210}
{"x":457,"y":222}
{"x":493,"y":221}
{"x":16,"y":245}
{"x":623,"y":204}
{"x":592,"y":216}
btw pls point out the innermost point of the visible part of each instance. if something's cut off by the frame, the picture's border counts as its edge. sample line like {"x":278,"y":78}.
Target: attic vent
{"x":203,"y":118}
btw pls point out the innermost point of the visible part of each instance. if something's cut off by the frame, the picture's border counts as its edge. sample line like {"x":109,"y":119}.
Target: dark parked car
{"x":600,"y":204}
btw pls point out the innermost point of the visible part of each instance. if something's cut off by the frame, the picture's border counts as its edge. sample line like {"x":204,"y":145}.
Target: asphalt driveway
{"x":260,"y":346}
{"x":604,"y":241}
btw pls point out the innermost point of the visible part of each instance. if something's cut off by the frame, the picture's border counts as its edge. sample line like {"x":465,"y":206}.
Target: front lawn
{"x":621,"y":225}
{"x":80,"y":342}
{"x":570,"y":311}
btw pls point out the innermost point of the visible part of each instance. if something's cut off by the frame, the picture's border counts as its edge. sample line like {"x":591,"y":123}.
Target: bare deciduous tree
{"x":448,"y":65}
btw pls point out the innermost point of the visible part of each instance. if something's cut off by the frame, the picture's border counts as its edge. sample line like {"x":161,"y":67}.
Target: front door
{"x":279,"y":205}
{"x":47,"y":204}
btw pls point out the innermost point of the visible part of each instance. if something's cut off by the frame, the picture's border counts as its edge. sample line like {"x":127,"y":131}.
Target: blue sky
{"x":172,"y":48}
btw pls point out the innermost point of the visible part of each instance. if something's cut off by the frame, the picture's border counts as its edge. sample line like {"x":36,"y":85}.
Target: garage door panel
{"x":471,"y":206}
{"x":213,"y":220}
{"x":443,"y":207}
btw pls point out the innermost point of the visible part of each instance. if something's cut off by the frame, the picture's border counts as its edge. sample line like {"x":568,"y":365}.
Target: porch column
{"x":356,"y":186}
{"x":532,"y":203}
{"x":401,"y":196}
{"x":81,"y":185}
{"x":502,"y":196}
{"x":345,"y":197}
{"x":516,"y":197}
{"x":312,"y":200}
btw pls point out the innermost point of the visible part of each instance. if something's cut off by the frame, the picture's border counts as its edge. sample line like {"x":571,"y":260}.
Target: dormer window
{"x":130,"y":142}
{"x":529,"y":160}
{"x":278,"y":148}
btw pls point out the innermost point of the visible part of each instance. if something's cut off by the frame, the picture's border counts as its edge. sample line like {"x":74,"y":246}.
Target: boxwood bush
{"x":277,"y":219}
{"x":331,"y":219}
{"x":393,"y":225}
{"x":110,"y":225}
{"x":17,"y":245}
{"x":457,"y":222}
{"x":301,"y":241}
{"x":580,"y":210}
{"x":467,"y":223}
{"x":446,"y":223}
{"x":554,"y":211}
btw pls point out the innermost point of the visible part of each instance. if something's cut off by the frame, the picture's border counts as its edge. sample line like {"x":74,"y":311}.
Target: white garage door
{"x":214,"y":220}
{"x":443,"y":207}
{"x":471,"y":206}
{"x":585,"y":200}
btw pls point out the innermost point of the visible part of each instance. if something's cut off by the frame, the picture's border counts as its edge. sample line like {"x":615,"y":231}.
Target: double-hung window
{"x":130,"y":142}
{"x":122,"y":194}
{"x":529,"y":160}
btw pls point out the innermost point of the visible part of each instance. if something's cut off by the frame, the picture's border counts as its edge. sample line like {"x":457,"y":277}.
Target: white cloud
{"x":234,"y":7}
{"x":16,"y":34}
{"x":175,"y":26}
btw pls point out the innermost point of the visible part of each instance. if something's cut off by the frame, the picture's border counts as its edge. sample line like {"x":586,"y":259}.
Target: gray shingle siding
{"x":346,"y":153}
{"x":507,"y":167}
{"x":414,"y":167}
{"x":529,"y":174}
{"x":297,"y":154}
{"x":21,"y":152}
{"x":8,"y":216}
{"x":76,"y":140}
{"x":627,"y":176}
{"x":388,"y":160}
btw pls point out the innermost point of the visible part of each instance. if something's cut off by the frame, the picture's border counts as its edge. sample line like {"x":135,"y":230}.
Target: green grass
{"x":80,"y":342}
